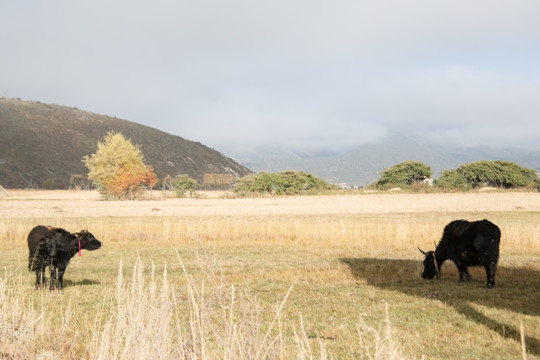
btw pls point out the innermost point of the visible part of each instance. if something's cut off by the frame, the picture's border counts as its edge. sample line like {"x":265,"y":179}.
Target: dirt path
{"x":36,"y":204}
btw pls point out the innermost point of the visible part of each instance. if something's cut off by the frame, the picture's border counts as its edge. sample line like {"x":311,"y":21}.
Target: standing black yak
{"x":466,"y":244}
{"x":54,"y":247}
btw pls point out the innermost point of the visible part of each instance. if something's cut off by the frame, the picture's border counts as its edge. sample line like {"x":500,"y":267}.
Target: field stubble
{"x":346,"y":258}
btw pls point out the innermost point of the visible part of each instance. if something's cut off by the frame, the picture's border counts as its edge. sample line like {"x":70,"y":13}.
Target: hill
{"x":362,"y":165}
{"x":44,"y":142}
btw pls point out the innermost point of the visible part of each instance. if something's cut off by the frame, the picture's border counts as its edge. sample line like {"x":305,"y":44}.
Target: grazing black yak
{"x":466,"y":244}
{"x":54,"y":247}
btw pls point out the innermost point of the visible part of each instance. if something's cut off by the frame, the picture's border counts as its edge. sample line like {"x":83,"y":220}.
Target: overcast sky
{"x":233,"y":74}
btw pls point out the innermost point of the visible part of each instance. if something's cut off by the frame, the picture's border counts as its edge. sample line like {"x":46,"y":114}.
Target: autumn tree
{"x":117,"y":168}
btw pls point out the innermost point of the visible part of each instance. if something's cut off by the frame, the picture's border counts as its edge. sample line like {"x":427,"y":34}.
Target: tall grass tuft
{"x":378,"y":344}
{"x":19,"y":322}
{"x":206,"y":319}
{"x":32,"y":328}
{"x":139,"y":322}
{"x":148,"y":318}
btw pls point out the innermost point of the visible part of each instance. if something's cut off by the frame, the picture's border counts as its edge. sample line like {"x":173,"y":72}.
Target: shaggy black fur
{"x":467,"y":244}
{"x":54,"y":247}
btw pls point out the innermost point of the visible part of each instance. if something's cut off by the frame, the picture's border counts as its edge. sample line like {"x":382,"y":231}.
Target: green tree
{"x":452,"y":180}
{"x":504,"y":174}
{"x":117,"y":168}
{"x":405,"y":173}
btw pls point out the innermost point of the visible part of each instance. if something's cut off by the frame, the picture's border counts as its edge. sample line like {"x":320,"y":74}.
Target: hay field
{"x":289,"y":277}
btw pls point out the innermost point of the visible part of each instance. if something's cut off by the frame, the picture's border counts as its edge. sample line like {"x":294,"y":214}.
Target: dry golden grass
{"x":346,"y":257}
{"x":72,"y":204}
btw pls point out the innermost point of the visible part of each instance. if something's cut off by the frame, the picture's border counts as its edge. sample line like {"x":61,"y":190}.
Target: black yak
{"x":466,"y":244}
{"x":54,"y":247}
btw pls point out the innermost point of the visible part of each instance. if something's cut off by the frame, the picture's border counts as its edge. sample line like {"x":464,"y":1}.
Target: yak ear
{"x":423,"y":252}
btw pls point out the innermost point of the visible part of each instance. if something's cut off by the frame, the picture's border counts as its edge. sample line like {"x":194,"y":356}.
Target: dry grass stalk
{"x":31,"y":329}
{"x":149,"y":319}
{"x":378,"y":344}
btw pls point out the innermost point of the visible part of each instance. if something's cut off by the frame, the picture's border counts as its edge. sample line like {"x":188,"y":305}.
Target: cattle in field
{"x":467,"y":244}
{"x":54,"y":247}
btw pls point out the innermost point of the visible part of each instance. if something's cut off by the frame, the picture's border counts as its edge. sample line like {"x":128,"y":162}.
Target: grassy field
{"x":299,"y":277}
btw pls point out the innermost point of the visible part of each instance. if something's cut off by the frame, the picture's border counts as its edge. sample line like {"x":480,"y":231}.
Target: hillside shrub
{"x":405,"y":173}
{"x":283,"y":183}
{"x":502,"y":174}
{"x":117,"y":168}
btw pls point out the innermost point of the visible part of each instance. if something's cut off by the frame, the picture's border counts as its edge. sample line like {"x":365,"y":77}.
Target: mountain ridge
{"x":39,"y":142}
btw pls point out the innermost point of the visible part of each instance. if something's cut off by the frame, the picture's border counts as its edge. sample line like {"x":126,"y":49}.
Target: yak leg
{"x":60,"y":277}
{"x":40,"y":277}
{"x":463,"y":273}
{"x":490,"y":273}
{"x":53,"y":278}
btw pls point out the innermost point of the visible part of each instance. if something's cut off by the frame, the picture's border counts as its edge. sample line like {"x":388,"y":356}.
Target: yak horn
{"x":423,"y":252}
{"x":437,"y":267}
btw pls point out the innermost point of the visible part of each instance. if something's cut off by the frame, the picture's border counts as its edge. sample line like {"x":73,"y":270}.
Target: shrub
{"x":184,"y":183}
{"x":283,"y":183}
{"x":49,"y":184}
{"x":117,"y":168}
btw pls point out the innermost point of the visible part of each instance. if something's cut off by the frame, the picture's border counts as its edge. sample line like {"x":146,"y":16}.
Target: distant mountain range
{"x":362,"y":165}
{"x":43,"y":142}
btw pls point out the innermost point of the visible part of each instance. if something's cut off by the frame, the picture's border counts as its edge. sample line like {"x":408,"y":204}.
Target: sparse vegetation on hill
{"x":45,"y":143}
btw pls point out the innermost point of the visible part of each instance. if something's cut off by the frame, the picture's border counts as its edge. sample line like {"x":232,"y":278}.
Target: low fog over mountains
{"x":362,"y":165}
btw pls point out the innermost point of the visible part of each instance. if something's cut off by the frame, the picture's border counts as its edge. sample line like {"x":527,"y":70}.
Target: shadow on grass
{"x":82,"y":282}
{"x":517,"y":289}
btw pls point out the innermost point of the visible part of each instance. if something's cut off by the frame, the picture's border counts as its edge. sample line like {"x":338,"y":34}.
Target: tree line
{"x":118,"y":171}
{"x":497,"y":173}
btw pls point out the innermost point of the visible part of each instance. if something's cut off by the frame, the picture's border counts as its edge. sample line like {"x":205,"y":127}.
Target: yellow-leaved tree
{"x":117,"y":168}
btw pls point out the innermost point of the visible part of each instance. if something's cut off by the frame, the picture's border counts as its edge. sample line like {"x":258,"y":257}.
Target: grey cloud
{"x":308,"y":73}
